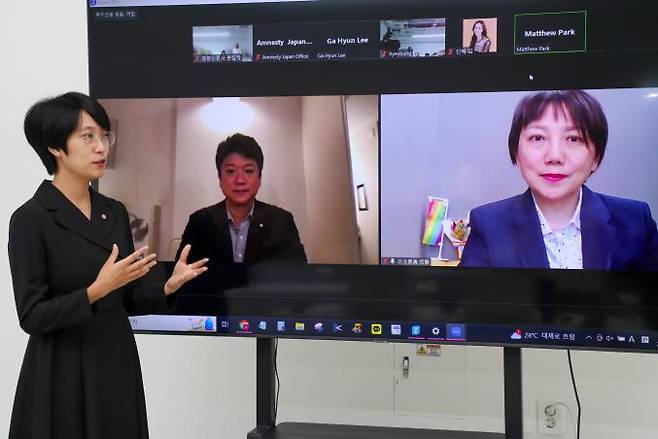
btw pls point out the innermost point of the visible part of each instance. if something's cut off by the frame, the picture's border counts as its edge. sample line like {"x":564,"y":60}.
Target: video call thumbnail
{"x":316,"y":200}
{"x":480,"y":35}
{"x":212,"y":44}
{"x":550,"y":32}
{"x":322,"y":41}
{"x":419,"y":37}
{"x":451,"y":193}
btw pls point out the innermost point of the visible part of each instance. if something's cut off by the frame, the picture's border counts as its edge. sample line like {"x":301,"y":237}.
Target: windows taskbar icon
{"x":456,"y":331}
{"x":244,"y":326}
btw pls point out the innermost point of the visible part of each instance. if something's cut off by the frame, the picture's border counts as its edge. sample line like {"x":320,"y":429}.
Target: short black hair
{"x":51,"y":121}
{"x":239,"y":143}
{"x":584,"y":109}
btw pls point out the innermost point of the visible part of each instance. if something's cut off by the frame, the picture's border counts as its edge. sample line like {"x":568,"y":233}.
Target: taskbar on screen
{"x":419,"y":332}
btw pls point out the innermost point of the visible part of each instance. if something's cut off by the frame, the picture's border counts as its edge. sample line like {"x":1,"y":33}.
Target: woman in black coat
{"x":76,"y":278}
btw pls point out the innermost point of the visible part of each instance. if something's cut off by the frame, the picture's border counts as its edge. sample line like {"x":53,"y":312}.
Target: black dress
{"x":80,"y":376}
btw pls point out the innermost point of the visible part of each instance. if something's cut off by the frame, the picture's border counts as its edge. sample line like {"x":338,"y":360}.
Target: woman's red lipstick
{"x":554,"y":178}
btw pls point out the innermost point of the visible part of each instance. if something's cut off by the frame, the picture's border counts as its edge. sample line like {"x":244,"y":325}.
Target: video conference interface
{"x":438,"y":139}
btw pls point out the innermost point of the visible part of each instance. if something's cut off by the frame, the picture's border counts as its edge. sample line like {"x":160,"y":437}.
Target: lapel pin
{"x":103,"y":216}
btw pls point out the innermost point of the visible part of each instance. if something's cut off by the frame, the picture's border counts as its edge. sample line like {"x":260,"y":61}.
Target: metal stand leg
{"x":265,"y":388}
{"x":265,"y":392}
{"x":513,"y":393}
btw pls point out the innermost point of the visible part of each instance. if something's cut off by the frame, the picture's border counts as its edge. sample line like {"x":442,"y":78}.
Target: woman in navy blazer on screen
{"x":558,"y":140}
{"x":76,"y":278}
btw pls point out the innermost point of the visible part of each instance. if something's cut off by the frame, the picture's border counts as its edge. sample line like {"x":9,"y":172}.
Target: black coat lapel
{"x":98,"y":230}
{"x":527,"y":237}
{"x":257,"y":229}
{"x":596,"y":232}
{"x":221,"y":233}
{"x":104,"y":218}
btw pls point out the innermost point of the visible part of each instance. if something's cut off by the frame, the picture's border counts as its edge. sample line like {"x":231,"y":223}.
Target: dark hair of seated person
{"x":51,"y":121}
{"x":244,"y":145}
{"x":585,"y":111}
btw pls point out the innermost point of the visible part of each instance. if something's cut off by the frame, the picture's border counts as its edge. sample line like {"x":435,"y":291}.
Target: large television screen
{"x":402,"y":170}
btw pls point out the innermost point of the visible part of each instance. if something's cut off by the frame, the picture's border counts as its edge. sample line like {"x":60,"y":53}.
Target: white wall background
{"x":203,"y":387}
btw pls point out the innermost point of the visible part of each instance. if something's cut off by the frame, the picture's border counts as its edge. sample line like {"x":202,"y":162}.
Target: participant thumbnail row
{"x":386,"y":39}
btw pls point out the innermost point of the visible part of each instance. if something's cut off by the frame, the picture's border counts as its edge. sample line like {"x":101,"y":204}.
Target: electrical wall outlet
{"x":550,"y":416}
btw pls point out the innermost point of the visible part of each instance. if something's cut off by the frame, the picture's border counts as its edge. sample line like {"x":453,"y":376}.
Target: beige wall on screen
{"x":329,"y":197}
{"x":142,"y":174}
{"x":362,"y":122}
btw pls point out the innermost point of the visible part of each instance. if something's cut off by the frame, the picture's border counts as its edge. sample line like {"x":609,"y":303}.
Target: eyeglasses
{"x":108,"y":139}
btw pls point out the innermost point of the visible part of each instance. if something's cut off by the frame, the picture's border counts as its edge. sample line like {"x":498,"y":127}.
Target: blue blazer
{"x":617,"y":234}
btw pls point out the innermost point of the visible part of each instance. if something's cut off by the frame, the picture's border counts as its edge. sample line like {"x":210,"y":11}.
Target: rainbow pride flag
{"x":437,"y":212}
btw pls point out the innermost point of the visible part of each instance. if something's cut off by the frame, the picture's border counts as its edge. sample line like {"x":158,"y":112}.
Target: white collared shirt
{"x":239,"y":234}
{"x":564,"y":247}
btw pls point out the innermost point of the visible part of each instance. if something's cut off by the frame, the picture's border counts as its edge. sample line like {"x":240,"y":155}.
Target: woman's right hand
{"x":114,"y":275}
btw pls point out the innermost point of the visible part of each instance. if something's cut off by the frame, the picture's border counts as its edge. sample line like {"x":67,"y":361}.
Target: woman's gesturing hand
{"x":184,"y":271}
{"x":114,"y":275}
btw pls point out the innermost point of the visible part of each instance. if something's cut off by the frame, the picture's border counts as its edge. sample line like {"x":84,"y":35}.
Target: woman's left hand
{"x":184,"y":271}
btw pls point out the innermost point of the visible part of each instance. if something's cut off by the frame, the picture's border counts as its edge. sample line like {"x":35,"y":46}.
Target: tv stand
{"x":266,"y":428}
